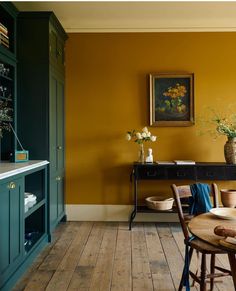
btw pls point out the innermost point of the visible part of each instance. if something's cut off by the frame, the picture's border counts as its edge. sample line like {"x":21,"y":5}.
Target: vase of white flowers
{"x":141,"y":137}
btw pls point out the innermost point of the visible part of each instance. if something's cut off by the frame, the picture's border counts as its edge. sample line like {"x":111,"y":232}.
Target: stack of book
{"x":176,"y":162}
{"x":184,"y":162}
{"x":4,"y":39}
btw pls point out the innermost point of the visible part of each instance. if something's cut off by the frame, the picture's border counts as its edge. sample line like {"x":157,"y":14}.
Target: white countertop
{"x":8,"y":169}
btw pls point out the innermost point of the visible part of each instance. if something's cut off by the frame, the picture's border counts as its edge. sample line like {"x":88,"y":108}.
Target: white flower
{"x":145,"y":129}
{"x":128,"y":136}
{"x":153,"y":138}
{"x":138,"y":135}
{"x":144,"y":135}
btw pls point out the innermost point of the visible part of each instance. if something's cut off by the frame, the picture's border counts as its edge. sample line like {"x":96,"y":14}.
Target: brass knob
{"x":11,"y":185}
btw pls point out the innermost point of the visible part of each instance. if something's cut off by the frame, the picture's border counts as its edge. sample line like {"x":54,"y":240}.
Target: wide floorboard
{"x":107,"y":256}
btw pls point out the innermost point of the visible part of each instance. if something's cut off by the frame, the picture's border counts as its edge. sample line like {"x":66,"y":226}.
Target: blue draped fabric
{"x":200,"y":201}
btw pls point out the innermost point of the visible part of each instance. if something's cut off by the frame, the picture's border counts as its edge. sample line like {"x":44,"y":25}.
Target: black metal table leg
{"x":134,"y":212}
{"x":132,"y":216}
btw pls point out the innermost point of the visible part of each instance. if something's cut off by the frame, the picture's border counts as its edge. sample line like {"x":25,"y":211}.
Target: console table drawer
{"x":211,"y":173}
{"x":230,"y":173}
{"x":181,"y":173}
{"x":151,"y":173}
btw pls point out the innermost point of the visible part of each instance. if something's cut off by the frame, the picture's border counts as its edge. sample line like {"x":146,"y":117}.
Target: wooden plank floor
{"x":107,"y":256}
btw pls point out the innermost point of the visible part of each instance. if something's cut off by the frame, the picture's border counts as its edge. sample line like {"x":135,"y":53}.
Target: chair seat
{"x":205,"y":247}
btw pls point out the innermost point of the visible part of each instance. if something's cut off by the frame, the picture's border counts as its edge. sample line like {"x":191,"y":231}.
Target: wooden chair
{"x":182,"y":193}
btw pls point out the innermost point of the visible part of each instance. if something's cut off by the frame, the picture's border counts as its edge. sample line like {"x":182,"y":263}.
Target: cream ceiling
{"x":139,"y":16}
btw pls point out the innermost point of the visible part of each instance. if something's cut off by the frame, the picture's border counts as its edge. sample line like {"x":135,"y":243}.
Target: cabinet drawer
{"x":151,"y":173}
{"x":181,"y":173}
{"x":211,"y":173}
{"x":230,"y":173}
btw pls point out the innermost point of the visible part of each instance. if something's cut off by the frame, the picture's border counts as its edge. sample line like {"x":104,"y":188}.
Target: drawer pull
{"x":180,"y":174}
{"x":11,"y":185}
{"x":59,"y":147}
{"x":151,"y":174}
{"x":58,"y":178}
{"x":209,"y":174}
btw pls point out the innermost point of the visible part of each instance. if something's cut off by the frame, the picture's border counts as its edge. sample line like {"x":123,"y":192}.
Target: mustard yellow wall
{"x":107,"y":94}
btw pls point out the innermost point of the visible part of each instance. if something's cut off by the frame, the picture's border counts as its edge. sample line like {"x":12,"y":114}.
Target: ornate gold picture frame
{"x":171,"y":99}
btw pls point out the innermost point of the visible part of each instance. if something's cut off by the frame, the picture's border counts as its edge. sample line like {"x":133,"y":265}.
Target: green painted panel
{"x":60,"y":125}
{"x":53,"y":45}
{"x":53,"y":200}
{"x":4,"y":230}
{"x":16,"y":220}
{"x":11,"y":227}
{"x":53,"y":124}
{"x":60,"y":191}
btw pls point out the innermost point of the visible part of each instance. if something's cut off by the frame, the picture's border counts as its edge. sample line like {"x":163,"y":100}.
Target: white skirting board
{"x":92,"y":212}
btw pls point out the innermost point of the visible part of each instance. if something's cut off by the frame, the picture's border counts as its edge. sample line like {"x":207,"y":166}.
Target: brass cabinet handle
{"x":11,"y":185}
{"x":58,"y":178}
{"x":59,"y":147}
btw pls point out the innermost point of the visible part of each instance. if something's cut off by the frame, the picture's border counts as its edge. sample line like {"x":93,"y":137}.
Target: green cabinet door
{"x":56,"y":115}
{"x":53,"y":124}
{"x":11,"y":227}
{"x":57,"y":208}
{"x":56,"y":124}
{"x":60,"y":124}
{"x":53,"y":201}
{"x":60,"y":196}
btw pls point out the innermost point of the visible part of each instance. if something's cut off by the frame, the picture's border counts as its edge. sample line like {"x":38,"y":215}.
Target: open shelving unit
{"x":35,"y":216}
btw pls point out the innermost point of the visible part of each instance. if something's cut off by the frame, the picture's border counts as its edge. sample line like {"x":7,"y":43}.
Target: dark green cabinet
{"x":11,"y":226}
{"x":23,"y":226}
{"x":41,"y":75}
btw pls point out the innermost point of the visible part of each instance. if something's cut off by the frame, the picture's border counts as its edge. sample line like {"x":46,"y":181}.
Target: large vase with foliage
{"x":230,"y":151}
{"x":227,"y":126}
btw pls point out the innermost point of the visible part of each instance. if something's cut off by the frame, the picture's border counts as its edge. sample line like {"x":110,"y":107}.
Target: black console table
{"x":196,"y":172}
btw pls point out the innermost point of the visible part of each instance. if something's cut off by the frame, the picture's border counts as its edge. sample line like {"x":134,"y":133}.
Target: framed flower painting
{"x":171,"y":99}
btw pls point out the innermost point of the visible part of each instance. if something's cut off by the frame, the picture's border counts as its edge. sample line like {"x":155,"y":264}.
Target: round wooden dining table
{"x":202,"y":227}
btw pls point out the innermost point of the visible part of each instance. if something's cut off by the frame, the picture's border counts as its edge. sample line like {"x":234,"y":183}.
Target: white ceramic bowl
{"x":224,"y":213}
{"x":155,"y":203}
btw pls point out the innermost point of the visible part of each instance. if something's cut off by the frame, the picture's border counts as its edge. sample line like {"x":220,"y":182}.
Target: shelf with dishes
{"x":32,"y":203}
{"x":34,"y":208}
